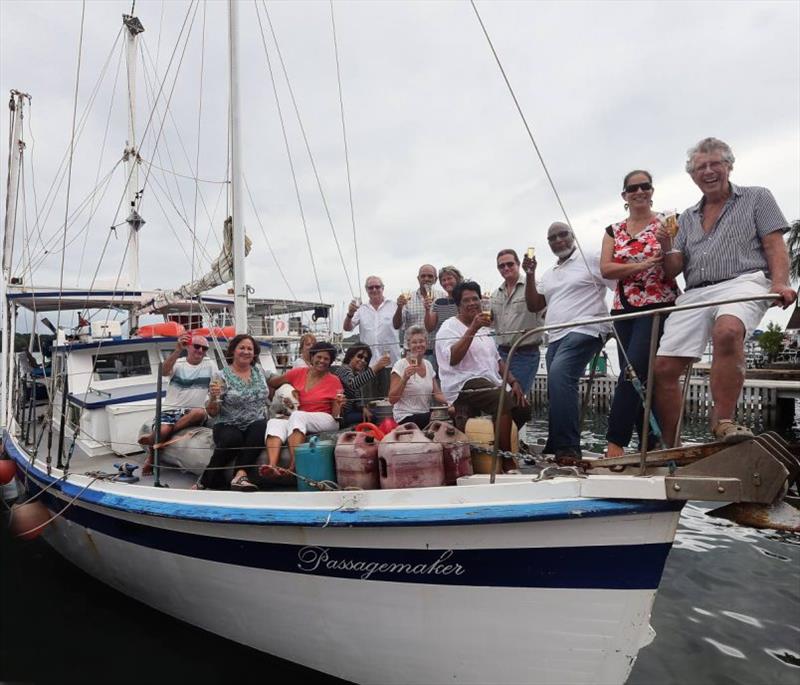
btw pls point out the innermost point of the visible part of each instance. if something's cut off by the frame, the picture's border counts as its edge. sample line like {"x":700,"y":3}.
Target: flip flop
{"x":730,"y":432}
{"x":243,"y":484}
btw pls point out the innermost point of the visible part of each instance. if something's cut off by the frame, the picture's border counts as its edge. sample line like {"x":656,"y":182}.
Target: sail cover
{"x":220,"y":271}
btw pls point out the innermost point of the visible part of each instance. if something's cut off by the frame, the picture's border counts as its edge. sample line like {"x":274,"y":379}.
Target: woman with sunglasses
{"x":632,"y":255}
{"x":355,"y":373}
{"x":321,"y":400}
{"x":307,"y":341}
{"x":237,"y":398}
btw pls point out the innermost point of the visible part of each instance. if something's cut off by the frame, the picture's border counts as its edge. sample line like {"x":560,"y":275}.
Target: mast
{"x":239,"y":281}
{"x":131,"y":155}
{"x":16,"y":145}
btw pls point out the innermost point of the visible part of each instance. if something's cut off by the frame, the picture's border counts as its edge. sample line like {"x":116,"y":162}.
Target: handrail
{"x":525,"y":335}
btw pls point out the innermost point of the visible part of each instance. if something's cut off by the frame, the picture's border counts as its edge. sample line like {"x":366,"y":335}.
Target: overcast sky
{"x":442,"y":169}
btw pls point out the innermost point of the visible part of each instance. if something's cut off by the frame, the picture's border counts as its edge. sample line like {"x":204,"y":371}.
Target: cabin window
{"x":121,"y":365}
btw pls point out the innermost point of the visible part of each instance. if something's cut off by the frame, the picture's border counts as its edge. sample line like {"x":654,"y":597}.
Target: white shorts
{"x":304,"y":421}
{"x":686,"y":333}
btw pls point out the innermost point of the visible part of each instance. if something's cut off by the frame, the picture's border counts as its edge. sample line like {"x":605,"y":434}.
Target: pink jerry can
{"x":356,"y":456}
{"x":408,"y":459}
{"x":455,"y":450}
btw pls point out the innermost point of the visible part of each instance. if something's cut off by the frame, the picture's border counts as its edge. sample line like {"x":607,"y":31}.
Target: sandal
{"x":243,"y":484}
{"x":730,"y":432}
{"x":198,"y":486}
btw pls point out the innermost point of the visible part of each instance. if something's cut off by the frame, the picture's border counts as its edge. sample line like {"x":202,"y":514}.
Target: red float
{"x":8,"y":470}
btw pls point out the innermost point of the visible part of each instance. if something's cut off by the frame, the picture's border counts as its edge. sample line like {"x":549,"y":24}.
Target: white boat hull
{"x":553,"y":599}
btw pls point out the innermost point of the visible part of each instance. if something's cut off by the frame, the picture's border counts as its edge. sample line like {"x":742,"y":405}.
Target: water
{"x":727,"y":613}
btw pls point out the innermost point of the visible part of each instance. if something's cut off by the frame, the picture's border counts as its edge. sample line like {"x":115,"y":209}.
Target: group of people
{"x":456,"y":341}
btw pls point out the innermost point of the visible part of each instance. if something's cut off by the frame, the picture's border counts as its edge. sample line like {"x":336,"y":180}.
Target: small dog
{"x":285,"y":400}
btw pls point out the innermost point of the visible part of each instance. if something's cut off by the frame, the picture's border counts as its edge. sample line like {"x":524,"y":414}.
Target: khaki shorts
{"x":686,"y":334}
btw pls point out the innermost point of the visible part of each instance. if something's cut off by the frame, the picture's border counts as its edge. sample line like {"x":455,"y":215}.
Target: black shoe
{"x":568,"y":456}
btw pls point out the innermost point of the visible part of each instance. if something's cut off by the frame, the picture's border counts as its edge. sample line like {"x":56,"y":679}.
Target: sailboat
{"x":392,"y":586}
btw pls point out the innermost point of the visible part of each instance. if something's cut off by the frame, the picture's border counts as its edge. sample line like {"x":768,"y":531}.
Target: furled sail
{"x":221,"y":271}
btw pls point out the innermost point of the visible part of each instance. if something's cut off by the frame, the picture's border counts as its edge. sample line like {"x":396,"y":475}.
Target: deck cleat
{"x":125,"y":473}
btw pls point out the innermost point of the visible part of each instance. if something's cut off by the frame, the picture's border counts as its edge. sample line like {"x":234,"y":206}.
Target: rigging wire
{"x":71,"y":155}
{"x":43,"y":214}
{"x":264,"y":233}
{"x":308,"y":149}
{"x":620,"y":346}
{"x":288,"y":152}
{"x":197,"y":152}
{"x":168,"y":111}
{"x":346,"y":149}
{"x":144,"y":135}
{"x":100,"y":163}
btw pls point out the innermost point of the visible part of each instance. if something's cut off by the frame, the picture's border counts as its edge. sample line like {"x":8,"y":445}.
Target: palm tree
{"x":793,"y":243}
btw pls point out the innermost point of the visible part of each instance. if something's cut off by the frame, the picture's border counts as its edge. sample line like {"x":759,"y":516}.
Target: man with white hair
{"x":374,"y":322}
{"x":184,"y":405}
{"x":730,"y":244}
{"x":572,"y":290}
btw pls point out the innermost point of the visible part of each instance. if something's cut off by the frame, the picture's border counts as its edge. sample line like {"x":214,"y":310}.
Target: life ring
{"x":367,"y":427}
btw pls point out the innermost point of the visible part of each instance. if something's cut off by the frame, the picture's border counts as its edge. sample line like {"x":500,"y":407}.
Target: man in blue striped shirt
{"x":729,"y":245}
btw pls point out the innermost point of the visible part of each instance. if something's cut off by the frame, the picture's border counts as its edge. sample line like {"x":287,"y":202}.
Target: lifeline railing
{"x":656,"y":314}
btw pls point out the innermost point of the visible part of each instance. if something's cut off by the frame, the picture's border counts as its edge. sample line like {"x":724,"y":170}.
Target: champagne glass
{"x":671,"y":222}
{"x":531,"y":252}
{"x":407,"y":295}
{"x":486,"y":302}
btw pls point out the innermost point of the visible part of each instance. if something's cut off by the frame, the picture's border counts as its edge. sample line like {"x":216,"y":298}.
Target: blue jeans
{"x":566,"y":359}
{"x":523,"y":366}
{"x":626,"y":407}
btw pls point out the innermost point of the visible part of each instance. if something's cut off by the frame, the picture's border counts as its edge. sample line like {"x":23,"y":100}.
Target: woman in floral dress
{"x":632,"y":255}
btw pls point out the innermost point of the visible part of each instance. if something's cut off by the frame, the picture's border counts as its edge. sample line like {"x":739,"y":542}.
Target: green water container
{"x":314,"y":460}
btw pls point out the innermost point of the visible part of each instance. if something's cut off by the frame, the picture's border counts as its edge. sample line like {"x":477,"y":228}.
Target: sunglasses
{"x":374,"y":287}
{"x":506,"y":265}
{"x":558,"y":236}
{"x":362,"y":355}
{"x":200,"y":347}
{"x":633,"y":187}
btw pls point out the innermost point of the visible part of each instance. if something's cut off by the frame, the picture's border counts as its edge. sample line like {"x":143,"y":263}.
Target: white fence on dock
{"x":759,"y":399}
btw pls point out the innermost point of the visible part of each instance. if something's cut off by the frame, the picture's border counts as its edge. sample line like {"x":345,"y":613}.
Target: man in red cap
{"x":184,"y":405}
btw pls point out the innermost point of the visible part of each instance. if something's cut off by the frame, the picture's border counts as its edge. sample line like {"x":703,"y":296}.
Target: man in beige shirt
{"x":510,"y":313}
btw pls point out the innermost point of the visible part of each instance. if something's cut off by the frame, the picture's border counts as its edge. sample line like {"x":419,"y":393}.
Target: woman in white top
{"x":307,"y":341}
{"x":413,"y":382}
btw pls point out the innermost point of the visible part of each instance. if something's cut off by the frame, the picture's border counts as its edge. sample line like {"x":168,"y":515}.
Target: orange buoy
{"x":168,"y":329}
{"x":8,"y":469}
{"x":27,"y":520}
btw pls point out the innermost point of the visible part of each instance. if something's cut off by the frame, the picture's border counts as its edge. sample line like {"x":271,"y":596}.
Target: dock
{"x":761,"y":399}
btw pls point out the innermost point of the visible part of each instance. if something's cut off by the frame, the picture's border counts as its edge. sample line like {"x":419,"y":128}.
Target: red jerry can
{"x":408,"y":459}
{"x":455,"y":450}
{"x":356,"y":456}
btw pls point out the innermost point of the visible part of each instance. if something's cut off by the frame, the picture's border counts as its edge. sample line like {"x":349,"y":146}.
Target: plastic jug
{"x":356,"y":457}
{"x":314,"y":460}
{"x":456,"y":452}
{"x":408,"y":459}
{"x":480,"y":432}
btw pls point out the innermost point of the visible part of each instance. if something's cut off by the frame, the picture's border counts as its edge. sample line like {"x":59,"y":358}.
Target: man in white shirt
{"x":184,"y":404}
{"x":374,"y":322}
{"x":471,"y":370}
{"x":571,"y":292}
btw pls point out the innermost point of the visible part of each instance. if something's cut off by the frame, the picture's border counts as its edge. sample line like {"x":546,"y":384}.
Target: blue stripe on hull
{"x":606,"y":567}
{"x":405,"y":517}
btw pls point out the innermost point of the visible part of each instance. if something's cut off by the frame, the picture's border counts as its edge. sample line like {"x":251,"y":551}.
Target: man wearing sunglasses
{"x":729,"y":245}
{"x":184,"y":404}
{"x":374,"y":320}
{"x":510,"y":313}
{"x":571,"y":292}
